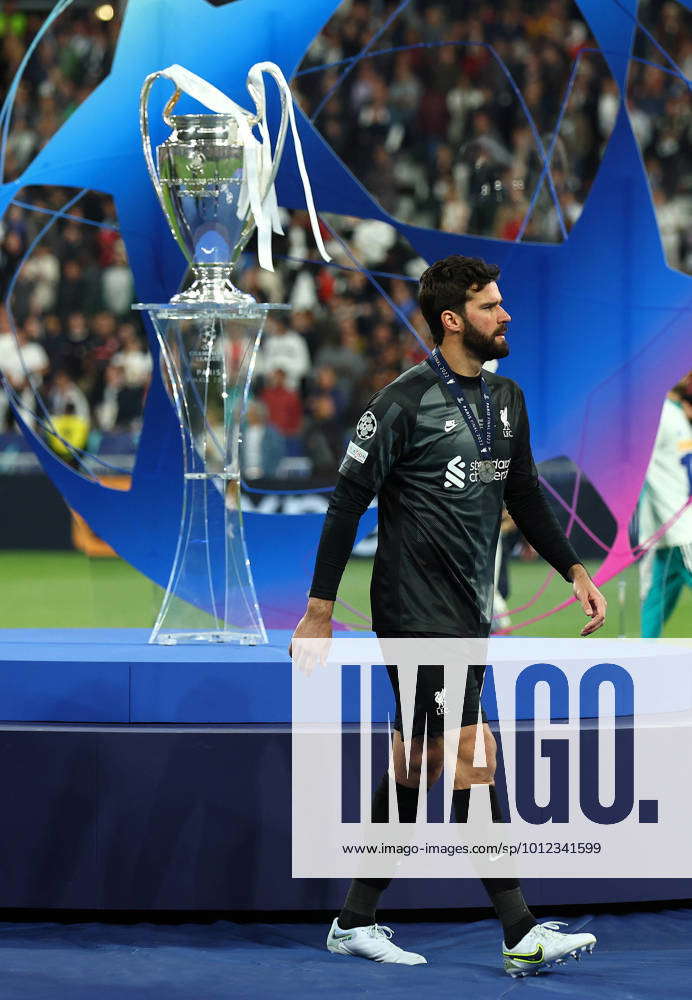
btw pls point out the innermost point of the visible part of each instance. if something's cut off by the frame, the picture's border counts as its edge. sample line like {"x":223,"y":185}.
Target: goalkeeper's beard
{"x":484,"y":346}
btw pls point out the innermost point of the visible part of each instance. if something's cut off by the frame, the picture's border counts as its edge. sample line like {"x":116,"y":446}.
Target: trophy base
{"x":212,"y":294}
{"x":216,"y":288}
{"x":240,"y":638}
{"x":208,"y":351}
{"x":239,"y":311}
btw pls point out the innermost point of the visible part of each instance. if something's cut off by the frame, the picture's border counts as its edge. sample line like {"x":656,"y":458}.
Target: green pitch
{"x":68,"y":589}
{"x":71,"y":590}
{"x":525,"y":580}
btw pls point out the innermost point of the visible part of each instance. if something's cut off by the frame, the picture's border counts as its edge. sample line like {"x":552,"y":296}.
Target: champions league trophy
{"x":215,"y":183}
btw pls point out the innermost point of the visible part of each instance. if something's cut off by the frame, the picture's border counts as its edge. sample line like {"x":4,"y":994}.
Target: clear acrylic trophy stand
{"x":208,"y":353}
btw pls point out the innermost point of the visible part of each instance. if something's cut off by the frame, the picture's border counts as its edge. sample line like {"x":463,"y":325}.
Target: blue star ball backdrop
{"x":601,"y":325}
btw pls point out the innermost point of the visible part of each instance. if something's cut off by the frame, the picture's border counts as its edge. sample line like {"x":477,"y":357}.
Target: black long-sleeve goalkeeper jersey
{"x":438,"y":524}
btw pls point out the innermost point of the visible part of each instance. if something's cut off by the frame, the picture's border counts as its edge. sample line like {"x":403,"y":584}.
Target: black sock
{"x":512,"y":912}
{"x":460,"y":804}
{"x":505,"y":893}
{"x":407,"y":799}
{"x":364,"y":894}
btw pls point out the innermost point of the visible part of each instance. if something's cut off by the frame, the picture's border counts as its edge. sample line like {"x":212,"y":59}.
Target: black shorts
{"x":429,"y":705}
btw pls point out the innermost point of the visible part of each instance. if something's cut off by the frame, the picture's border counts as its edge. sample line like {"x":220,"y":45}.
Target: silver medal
{"x":486,"y":471}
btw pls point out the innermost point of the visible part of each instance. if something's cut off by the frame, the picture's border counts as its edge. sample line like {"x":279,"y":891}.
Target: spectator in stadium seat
{"x":401,"y":294}
{"x":671,"y":214}
{"x":134,"y":360}
{"x":55,"y":343}
{"x":324,"y":435}
{"x":324,"y":383}
{"x":65,"y":396}
{"x":72,"y":288}
{"x":104,"y":344}
{"x":286,"y":349}
{"x":405,"y":91}
{"x":42,"y":270}
{"x":23,"y":362}
{"x":262,"y":446}
{"x":135,"y":365}
{"x":283,"y":405}
{"x":75,"y":244}
{"x":106,"y":409}
{"x":79,"y":340}
{"x":344,"y":356}
{"x":11,"y":252}
{"x":71,"y":433}
{"x":379,"y":179}
{"x":107,"y":238}
{"x":312,"y":329}
{"x":382,"y":336}
{"x":117,"y":284}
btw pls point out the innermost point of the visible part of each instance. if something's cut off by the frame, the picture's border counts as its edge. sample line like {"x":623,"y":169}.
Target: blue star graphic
{"x":616,"y":315}
{"x":99,"y":148}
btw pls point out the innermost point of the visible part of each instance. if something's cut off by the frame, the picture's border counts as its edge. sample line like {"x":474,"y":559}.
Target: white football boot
{"x":543,"y":946}
{"x":370,"y":942}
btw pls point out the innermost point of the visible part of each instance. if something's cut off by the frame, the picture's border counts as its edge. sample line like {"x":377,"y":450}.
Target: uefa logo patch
{"x":366,"y":426}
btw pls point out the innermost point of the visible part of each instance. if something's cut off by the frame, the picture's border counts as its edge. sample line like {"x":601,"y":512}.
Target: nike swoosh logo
{"x":342,"y":935}
{"x":450,"y":425}
{"x":535,"y":958}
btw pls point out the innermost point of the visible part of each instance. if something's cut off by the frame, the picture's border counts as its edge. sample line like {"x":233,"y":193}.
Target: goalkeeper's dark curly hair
{"x":446,"y":285}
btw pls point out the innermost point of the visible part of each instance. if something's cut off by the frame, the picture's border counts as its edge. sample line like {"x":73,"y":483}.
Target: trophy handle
{"x":148,"y":151}
{"x":144,"y":130}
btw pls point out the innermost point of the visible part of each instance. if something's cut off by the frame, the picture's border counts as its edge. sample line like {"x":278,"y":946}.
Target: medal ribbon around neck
{"x":484,"y":441}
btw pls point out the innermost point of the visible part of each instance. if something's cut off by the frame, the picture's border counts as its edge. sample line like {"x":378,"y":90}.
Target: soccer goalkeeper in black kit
{"x":443,"y":447}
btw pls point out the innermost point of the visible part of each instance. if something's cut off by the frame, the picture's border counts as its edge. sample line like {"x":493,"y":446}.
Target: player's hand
{"x":312,"y":637}
{"x":591,"y":599}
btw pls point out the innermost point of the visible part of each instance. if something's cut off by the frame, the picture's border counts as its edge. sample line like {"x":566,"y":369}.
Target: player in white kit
{"x":667,"y":566}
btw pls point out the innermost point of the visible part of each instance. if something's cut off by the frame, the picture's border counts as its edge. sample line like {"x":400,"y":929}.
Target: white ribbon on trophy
{"x":259,"y":168}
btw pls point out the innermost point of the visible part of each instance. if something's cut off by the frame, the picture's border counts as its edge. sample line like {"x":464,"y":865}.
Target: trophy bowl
{"x":200,"y":168}
{"x":200,"y":179}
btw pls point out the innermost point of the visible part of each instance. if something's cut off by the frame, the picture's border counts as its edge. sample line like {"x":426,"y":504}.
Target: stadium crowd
{"x":436,"y":131}
{"x":437,"y":134}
